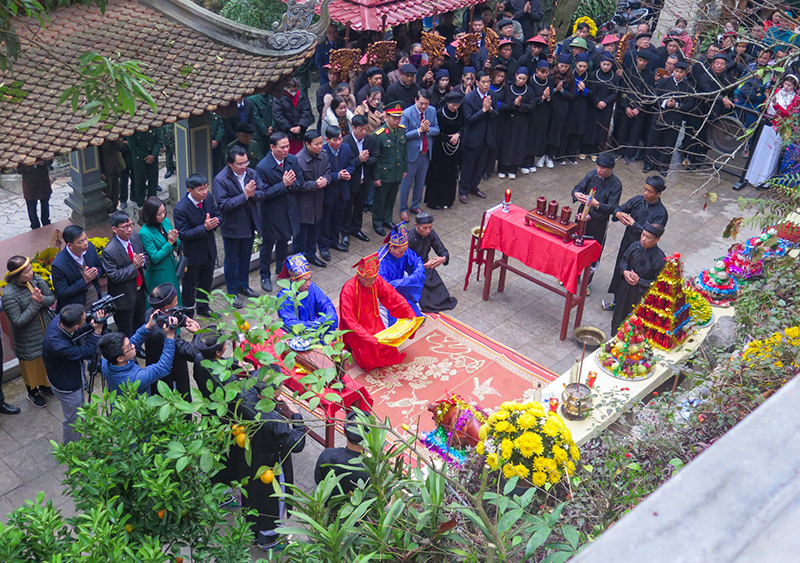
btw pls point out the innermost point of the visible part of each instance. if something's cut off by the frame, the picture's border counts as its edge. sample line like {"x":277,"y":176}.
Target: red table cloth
{"x":537,"y":249}
{"x":352,"y":394}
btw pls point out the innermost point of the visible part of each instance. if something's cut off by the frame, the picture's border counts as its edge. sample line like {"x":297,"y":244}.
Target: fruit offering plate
{"x":638,"y":377}
{"x":636,"y":367}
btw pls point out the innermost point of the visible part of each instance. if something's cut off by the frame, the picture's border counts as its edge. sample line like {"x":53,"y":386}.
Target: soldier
{"x":112,"y":164}
{"x":244,"y":134}
{"x":391,"y":167}
{"x":169,"y":149}
{"x":217,"y":143}
{"x":262,"y":119}
{"x":145,"y":147}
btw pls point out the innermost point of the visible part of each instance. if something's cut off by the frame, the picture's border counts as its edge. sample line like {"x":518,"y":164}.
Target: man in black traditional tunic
{"x":674,"y":101}
{"x":608,"y":190}
{"x":422,"y":240}
{"x":337,"y":460}
{"x":633,"y":107}
{"x":634,"y":213}
{"x":640,"y":266}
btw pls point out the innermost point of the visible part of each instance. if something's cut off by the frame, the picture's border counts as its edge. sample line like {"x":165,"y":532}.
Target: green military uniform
{"x":218,"y":135}
{"x":303,"y":72}
{"x":145,"y":176}
{"x":169,"y":144}
{"x":252,"y":149}
{"x":392,"y":164}
{"x":262,"y":116}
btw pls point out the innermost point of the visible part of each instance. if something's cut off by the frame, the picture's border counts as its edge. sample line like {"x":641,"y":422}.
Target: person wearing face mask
{"x":293,"y":115}
{"x":315,"y":310}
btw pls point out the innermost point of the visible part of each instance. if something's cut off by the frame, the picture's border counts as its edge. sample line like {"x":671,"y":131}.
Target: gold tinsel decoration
{"x":492,"y":42}
{"x":345,"y":60}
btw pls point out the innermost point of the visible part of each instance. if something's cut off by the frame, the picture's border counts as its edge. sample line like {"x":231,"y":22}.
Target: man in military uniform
{"x":169,"y":149}
{"x":262,"y":119}
{"x":244,"y":139}
{"x":145,"y":147}
{"x":390,"y":169}
{"x":217,"y":143}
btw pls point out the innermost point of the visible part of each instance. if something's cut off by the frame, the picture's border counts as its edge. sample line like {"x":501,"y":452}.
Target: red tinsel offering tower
{"x":665,"y":311}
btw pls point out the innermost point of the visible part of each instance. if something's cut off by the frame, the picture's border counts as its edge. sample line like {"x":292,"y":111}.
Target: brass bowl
{"x":477,"y":232}
{"x":589,"y":335}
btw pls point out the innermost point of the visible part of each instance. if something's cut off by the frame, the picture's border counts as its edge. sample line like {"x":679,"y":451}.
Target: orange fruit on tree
{"x":179,"y":560}
{"x":161,"y":514}
{"x":241,"y":440}
{"x":267,"y":477}
{"x":244,"y":326}
{"x":128,"y":528}
{"x":237,"y":429}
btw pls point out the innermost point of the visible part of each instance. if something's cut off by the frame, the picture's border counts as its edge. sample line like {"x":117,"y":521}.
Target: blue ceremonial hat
{"x":294,"y":267}
{"x":565,"y":59}
{"x":398,"y":236}
{"x":606,"y":56}
{"x":522,"y":70}
{"x":468,"y":69}
{"x":543,"y":64}
{"x":442,"y":73}
{"x":583,"y":58}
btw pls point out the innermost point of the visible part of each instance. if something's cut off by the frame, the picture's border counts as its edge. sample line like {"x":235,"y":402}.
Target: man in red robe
{"x":359,"y":313}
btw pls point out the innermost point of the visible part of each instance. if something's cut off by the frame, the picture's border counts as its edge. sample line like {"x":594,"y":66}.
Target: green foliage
{"x":772,"y":206}
{"x":599,"y":10}
{"x":260,"y":14}
{"x":771,"y":303}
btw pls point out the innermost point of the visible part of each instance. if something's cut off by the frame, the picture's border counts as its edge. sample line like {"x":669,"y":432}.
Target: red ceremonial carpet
{"x":447,"y":357}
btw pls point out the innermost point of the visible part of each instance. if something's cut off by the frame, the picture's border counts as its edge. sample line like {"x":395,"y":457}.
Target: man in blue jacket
{"x":119,"y":358}
{"x":76,"y":269}
{"x":337,"y":192}
{"x":419,"y":120}
{"x":62,"y":357}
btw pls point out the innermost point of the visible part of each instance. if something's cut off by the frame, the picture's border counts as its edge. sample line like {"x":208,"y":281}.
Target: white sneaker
{"x":501,"y":174}
{"x":540,"y":162}
{"x":533,"y":169}
{"x":549,"y":162}
{"x":582,"y":156}
{"x":594,"y":158}
{"x":512,"y":176}
{"x":525,"y":170}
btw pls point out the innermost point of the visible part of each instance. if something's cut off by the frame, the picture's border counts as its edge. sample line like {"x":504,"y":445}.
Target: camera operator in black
{"x":163,"y":299}
{"x":62,"y":356}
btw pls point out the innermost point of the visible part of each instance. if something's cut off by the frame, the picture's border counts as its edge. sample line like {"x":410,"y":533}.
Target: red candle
{"x":592,"y":378}
{"x":553,"y":404}
{"x":508,"y":196}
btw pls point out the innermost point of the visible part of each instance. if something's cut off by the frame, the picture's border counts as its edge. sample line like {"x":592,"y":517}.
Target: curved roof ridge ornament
{"x":294,"y":34}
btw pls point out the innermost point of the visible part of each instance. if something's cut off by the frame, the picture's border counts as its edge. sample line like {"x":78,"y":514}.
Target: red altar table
{"x":353,"y":393}
{"x":541,"y":251}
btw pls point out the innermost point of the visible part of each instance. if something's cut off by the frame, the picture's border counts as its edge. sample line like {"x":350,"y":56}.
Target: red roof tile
{"x":368,"y":14}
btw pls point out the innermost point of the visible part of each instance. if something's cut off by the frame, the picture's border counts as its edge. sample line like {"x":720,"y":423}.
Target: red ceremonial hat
{"x":610,"y":38}
{"x":368,"y":266}
{"x":538,"y":39}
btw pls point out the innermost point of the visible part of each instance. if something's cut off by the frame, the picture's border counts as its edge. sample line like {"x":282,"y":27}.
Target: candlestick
{"x":553,"y":404}
{"x":566,"y":214}
{"x":552,"y":209}
{"x":592,"y":378}
{"x":541,"y":205}
{"x":508,"y":196}
{"x":507,"y":202}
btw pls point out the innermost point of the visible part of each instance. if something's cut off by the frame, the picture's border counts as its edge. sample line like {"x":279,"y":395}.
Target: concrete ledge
{"x":739,"y":501}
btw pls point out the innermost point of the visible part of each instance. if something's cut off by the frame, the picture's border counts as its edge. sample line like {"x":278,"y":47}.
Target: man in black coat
{"x":292,"y":112}
{"x":479,"y":111}
{"x":280,"y":219}
{"x":332,"y":459}
{"x":316,"y":175}
{"x":529,"y":13}
{"x":244,"y":114}
{"x":237,"y":188}
{"x":674,"y":100}
{"x":327,"y":88}
{"x":715,"y":98}
{"x":364,"y":149}
{"x":337,"y":193}
{"x":196,"y":218}
{"x":124,"y":262}
{"x":632,"y":110}
{"x":76,"y":269}
{"x":405,"y":90}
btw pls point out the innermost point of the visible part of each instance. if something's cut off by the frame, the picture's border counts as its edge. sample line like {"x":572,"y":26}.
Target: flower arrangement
{"x":99,"y":244}
{"x":525,"y":441}
{"x":42,"y":261}
{"x":780,"y":346}
{"x":587,"y":20}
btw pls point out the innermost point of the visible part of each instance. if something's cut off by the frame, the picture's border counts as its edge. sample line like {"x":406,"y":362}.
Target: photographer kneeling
{"x":62,"y":355}
{"x":119,"y":357}
{"x":164,"y":301}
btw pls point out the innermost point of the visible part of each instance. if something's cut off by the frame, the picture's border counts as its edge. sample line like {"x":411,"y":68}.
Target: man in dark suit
{"x":479,"y":110}
{"x":422,"y":127}
{"x":244,"y":114}
{"x":196,"y":218}
{"x":124,"y":262}
{"x":237,"y":188}
{"x":336,"y":193}
{"x":76,"y":269}
{"x":364,"y":148}
{"x":280,"y":219}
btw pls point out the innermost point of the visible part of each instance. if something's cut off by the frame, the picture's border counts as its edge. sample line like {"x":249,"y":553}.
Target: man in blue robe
{"x":402,"y":268}
{"x":315,"y":309}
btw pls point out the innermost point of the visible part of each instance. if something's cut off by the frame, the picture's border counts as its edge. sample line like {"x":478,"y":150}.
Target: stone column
{"x":192,"y":150}
{"x":88,"y":201}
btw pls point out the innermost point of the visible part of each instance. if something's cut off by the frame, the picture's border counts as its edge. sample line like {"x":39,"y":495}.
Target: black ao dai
{"x":539,"y":118}
{"x":605,"y":86}
{"x":515,"y":135}
{"x":442,"y":176}
{"x":647,"y":264}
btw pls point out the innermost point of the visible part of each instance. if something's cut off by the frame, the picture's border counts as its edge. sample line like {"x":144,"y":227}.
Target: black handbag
{"x":182,"y":265}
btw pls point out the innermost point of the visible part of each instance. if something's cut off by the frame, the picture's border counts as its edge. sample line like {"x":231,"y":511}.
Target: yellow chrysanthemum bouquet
{"x":524,"y":440}
{"x":779,"y":350}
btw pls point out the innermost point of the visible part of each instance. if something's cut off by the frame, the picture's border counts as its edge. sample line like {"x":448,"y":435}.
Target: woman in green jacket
{"x":160,"y":242}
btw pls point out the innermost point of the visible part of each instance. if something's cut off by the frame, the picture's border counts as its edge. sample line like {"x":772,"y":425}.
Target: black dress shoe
{"x":247,"y":292}
{"x":326,"y":255}
{"x":5,"y":408}
{"x":436,"y":207}
{"x":169,"y":174}
{"x":361,"y":236}
{"x":367,"y":209}
{"x":266,"y":284}
{"x":477,"y":193}
{"x":316,"y":261}
{"x":340,"y":248}
{"x":646,"y":168}
{"x":346,"y":242}
{"x":388,"y":226}
{"x":238,"y":303}
{"x":416,"y":210}
{"x":485,"y":175}
{"x":379,"y":231}
{"x":462,"y":198}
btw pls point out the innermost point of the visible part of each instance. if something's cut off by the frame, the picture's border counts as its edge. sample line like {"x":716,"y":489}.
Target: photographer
{"x":119,"y":357}
{"x":62,"y":359}
{"x":163,"y":300}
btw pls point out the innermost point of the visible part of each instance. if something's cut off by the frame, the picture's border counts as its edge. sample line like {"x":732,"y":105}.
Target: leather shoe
{"x":326,"y":255}
{"x":404,"y":216}
{"x":486,"y":176}
{"x":316,"y":261}
{"x":340,"y":248}
{"x":346,"y":241}
{"x":237,"y":303}
{"x":5,"y":408}
{"x":247,"y":292}
{"x":266,"y":284}
{"x":361,"y":236}
{"x":380,"y":232}
{"x":646,"y":168}
{"x":462,"y":198}
{"x":416,"y":210}
{"x":479,"y":194}
{"x":388,"y":226}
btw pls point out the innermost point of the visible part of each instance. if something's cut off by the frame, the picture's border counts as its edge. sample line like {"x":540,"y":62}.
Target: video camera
{"x":106,"y":304}
{"x":179,"y":313}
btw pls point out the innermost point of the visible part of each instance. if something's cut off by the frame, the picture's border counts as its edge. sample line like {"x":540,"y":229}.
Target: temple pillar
{"x":193,"y":149}
{"x":88,"y":200}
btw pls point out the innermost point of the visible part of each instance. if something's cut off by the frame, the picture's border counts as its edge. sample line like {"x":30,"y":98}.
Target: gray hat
{"x":424,"y":218}
{"x":408,"y":68}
